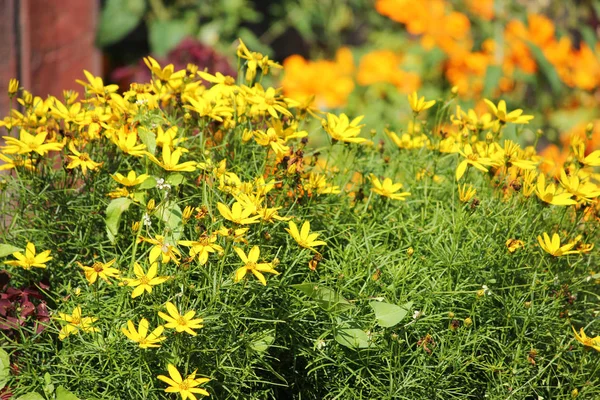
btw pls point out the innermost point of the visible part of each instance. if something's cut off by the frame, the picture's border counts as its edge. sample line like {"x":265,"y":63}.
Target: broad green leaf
{"x":4,"y":368}
{"x":492,"y":77}
{"x":353,"y":338}
{"x":149,"y":183}
{"x":64,"y":394}
{"x":148,"y":138}
{"x":113,"y":216}
{"x":165,"y":35}
{"x":175,"y":179}
{"x":31,"y":396}
{"x":387,"y":314}
{"x":546,"y":68}
{"x":325,"y":297}
{"x":48,"y":385}
{"x":171,"y":215}
{"x":7,"y":249}
{"x":117,"y":19}
{"x":263,"y":343}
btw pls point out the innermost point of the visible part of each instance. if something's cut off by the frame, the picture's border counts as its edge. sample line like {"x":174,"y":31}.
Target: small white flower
{"x":146,"y":219}
{"x":161,"y":185}
{"x":486,"y":290}
{"x":418,"y":314}
{"x":141,"y":102}
{"x":321,"y":344}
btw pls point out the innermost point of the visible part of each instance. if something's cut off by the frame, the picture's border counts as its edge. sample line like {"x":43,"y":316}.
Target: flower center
{"x":144,"y":280}
{"x":182,"y":321}
{"x":250,"y":265}
{"x":98,"y":267}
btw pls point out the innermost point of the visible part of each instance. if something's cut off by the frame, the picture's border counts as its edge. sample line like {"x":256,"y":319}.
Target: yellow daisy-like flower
{"x":466,"y":192}
{"x":514,"y":116}
{"x":303,"y":237}
{"x":342,"y":129}
{"x":387,"y":188}
{"x":144,"y":282}
{"x":162,"y":249}
{"x":28,"y":143}
{"x":141,"y":336}
{"x":30,"y":259}
{"x":514,"y":244}
{"x":419,"y":104}
{"x":551,"y":195}
{"x":132,"y":179}
{"x":75,"y":323}
{"x":170,"y":160}
{"x":185,"y":387}
{"x":471,"y":158}
{"x":251,"y":264}
{"x":553,"y":246}
{"x":181,"y":322}
{"x":100,"y":270}
{"x":586,"y":340}
{"x":82,"y":160}
{"x":238,"y":214}
{"x":202,"y":247}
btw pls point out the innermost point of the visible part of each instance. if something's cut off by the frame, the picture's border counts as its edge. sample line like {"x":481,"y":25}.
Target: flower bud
{"x":13,"y":87}
{"x":151,"y":204}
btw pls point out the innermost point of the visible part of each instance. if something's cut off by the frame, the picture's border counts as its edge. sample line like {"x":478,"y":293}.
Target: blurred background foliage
{"x":369,"y":54}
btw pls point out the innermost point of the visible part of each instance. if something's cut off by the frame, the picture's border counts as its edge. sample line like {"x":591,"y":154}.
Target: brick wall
{"x":50,"y":46}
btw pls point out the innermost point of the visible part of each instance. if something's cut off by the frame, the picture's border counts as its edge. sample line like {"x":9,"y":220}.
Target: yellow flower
{"x":144,"y":281}
{"x":100,"y":270}
{"x":126,"y":141}
{"x":551,"y":195}
{"x":238,"y":214}
{"x":471,"y":158}
{"x":387,"y":188}
{"x":170,"y":160}
{"x":141,"y":336}
{"x":466,"y":192}
{"x":96,"y":85}
{"x":514,"y":244}
{"x":587,"y":341}
{"x":303,"y":237}
{"x":584,"y":190}
{"x":82,"y":160}
{"x":132,"y":178}
{"x":255,"y":60}
{"x":10,"y":163}
{"x":30,"y":259}
{"x":419,"y":104}
{"x":553,"y":246}
{"x":181,"y":322}
{"x":13,"y":87}
{"x":202,"y":247}
{"x":236,"y":234}
{"x":76,"y":322}
{"x":162,"y":249}
{"x":251,"y":265}
{"x":28,"y":143}
{"x":342,"y":129}
{"x":165,"y":75}
{"x":185,"y":387}
{"x":514,"y":116}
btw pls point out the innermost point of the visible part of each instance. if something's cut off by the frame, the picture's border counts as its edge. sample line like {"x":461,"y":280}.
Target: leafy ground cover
{"x":199,"y":235}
